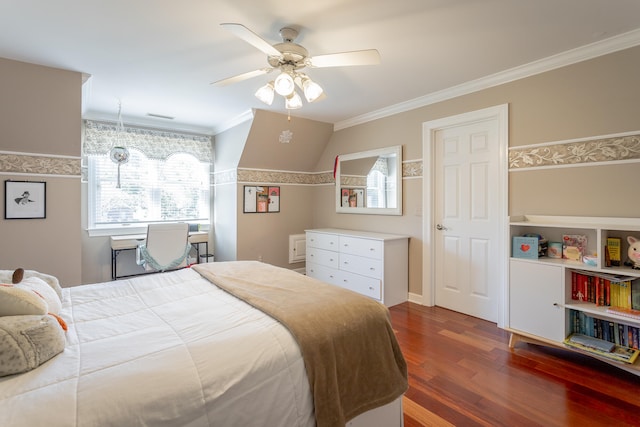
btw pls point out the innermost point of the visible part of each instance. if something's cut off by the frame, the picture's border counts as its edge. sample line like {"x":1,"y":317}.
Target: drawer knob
{"x":371,"y":288}
{"x":372,"y":269}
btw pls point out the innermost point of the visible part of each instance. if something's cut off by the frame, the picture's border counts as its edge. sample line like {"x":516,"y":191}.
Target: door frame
{"x":429,"y":129}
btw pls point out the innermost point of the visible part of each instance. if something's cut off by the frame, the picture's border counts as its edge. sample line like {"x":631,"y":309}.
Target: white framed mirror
{"x":370,"y":182}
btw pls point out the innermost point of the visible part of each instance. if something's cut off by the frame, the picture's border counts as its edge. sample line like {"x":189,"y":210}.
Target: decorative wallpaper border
{"x":280,"y":177}
{"x":411,"y":169}
{"x":39,"y":164}
{"x":584,"y":152}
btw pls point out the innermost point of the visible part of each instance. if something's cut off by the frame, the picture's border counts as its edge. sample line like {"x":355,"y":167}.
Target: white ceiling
{"x":160,"y":56}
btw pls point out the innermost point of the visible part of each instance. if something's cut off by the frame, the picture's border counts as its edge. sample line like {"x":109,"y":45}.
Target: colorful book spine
{"x":613,"y":247}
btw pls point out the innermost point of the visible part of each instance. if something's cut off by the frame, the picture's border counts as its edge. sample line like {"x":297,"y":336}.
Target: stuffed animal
{"x":31,"y":332}
{"x":634,"y":252}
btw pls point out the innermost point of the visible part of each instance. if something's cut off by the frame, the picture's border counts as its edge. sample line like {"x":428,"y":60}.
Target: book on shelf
{"x":604,"y":289}
{"x":613,"y":249}
{"x":626,"y":312}
{"x":619,"y":353}
{"x":635,"y":294}
{"x":619,"y":333}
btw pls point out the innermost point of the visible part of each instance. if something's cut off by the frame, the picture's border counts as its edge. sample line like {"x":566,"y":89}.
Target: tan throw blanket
{"x":351,"y":355}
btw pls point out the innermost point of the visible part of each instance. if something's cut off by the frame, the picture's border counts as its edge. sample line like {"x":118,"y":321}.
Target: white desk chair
{"x":166,"y":247}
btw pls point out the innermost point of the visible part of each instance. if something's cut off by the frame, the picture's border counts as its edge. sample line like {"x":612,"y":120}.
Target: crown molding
{"x":235,"y":121}
{"x":573,"y":56}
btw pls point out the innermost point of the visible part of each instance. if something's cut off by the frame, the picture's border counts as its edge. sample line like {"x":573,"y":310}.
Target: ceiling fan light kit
{"x":284,"y":84}
{"x":312,"y":90}
{"x":289,"y":57}
{"x":266,"y":93}
{"x":293,"y":101}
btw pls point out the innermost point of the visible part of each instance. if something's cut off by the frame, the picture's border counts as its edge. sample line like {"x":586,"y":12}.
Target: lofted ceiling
{"x":158,"y":57}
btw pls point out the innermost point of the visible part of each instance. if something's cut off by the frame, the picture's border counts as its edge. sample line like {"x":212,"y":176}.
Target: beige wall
{"x":265,"y":236}
{"x":40,"y":112}
{"x":593,"y":98}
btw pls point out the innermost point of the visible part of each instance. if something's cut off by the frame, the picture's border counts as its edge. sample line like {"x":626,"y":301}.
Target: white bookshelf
{"x":540,"y":290}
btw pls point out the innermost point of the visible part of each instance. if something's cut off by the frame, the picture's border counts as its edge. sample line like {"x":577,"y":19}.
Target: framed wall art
{"x":25,"y":199}
{"x":261,"y":199}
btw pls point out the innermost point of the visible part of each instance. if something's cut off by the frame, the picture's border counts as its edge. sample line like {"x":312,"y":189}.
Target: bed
{"x":196,"y":347}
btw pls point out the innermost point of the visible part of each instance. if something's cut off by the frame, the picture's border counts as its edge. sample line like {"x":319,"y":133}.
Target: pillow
{"x":40,"y":287}
{"x":7,"y":275}
{"x":28,"y":341}
{"x":15,"y":301}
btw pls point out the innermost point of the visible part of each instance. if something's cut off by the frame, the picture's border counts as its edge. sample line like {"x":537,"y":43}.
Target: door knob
{"x":440,"y":227}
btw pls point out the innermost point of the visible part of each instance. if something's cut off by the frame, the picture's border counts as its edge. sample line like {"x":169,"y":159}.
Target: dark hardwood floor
{"x":462,"y":373}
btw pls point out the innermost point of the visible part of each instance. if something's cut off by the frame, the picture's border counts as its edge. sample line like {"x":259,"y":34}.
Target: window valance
{"x":100,"y":137}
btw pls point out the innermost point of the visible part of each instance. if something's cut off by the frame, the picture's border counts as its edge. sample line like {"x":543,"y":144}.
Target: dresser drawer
{"x":323,"y":273}
{"x":322,"y":241}
{"x":367,"y":286}
{"x":360,"y":265}
{"x":365,"y":247}
{"x":322,"y":257}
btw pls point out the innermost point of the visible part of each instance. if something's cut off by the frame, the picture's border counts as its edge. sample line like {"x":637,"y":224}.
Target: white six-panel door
{"x":467,"y":202}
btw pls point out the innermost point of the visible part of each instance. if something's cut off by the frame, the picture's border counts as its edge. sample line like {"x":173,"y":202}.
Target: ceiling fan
{"x":289,"y":58}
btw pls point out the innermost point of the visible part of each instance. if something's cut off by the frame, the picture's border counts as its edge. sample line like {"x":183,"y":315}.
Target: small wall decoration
{"x":261,"y":199}
{"x":25,"y":199}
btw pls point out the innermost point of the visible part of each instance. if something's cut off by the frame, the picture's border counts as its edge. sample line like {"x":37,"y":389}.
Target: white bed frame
{"x":389,"y":415}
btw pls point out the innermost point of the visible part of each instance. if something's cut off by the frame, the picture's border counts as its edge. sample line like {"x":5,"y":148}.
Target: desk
{"x":131,"y":241}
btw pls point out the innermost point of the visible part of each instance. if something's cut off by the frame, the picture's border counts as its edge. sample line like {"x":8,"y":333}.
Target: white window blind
{"x":165,"y":179}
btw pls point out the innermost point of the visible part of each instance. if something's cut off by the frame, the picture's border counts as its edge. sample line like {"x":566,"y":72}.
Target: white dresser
{"x":372,"y":264}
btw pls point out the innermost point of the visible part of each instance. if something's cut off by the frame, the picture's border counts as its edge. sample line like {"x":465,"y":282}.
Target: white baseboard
{"x":415,"y":298}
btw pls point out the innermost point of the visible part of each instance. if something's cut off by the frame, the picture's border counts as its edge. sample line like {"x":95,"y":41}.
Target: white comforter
{"x":163,"y":350}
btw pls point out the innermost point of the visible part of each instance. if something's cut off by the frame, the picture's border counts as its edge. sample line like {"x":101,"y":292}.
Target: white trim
{"x":233,"y":122}
{"x":280,"y":184}
{"x":38,"y":175}
{"x":415,"y":298}
{"x":58,"y":156}
{"x":590,"y":51}
{"x":501,"y":114}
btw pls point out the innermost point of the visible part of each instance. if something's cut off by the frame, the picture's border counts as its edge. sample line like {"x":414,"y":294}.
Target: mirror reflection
{"x":370,"y":182}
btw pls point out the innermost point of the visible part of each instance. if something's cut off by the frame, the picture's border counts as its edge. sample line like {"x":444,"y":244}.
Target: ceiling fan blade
{"x":241,"y":77}
{"x":343,"y":59}
{"x":252,"y":38}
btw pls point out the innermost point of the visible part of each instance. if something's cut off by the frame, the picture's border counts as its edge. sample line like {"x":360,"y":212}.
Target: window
{"x":165,"y":179}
